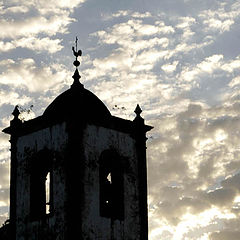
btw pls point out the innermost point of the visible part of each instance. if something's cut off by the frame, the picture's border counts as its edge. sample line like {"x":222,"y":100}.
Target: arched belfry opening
{"x":77,"y":171}
{"x":41,"y":191}
{"x":111,"y":185}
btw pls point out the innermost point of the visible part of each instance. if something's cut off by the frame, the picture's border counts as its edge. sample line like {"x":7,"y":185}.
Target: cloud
{"x":220,"y":19}
{"x":157,"y":49}
{"x":3,"y":218}
{"x":190,"y":150}
{"x":33,"y":43}
{"x":15,"y":9}
{"x":4,"y":170}
{"x":4,"y":187}
{"x":12,"y":98}
{"x":170,"y":68}
{"x":232,"y":182}
{"x":25,"y":73}
{"x":33,"y":26}
{"x":225,"y":235}
{"x":44,"y":6}
{"x":221,"y":197}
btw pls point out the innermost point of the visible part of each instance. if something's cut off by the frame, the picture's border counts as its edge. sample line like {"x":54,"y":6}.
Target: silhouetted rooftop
{"x":77,"y":102}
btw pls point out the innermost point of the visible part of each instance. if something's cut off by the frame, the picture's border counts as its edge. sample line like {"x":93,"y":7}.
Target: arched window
{"x":111,"y":185}
{"x":41,"y":185}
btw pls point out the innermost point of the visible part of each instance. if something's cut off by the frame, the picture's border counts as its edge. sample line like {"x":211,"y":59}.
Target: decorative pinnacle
{"x":138,"y":110}
{"x":76,"y":53}
{"x":16,"y":121}
{"x":16,"y":112}
{"x":76,"y":76}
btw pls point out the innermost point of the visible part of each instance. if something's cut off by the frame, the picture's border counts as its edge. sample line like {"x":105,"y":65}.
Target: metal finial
{"x":76,"y":42}
{"x":76,"y":53}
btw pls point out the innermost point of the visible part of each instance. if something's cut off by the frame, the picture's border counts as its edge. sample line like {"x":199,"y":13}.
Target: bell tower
{"x":77,"y":171}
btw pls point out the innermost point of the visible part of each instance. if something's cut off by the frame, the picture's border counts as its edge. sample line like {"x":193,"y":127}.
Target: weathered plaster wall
{"x":95,"y":141}
{"x":54,"y":139}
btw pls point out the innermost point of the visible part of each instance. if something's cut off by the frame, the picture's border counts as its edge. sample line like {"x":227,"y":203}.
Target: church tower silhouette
{"x":77,"y":172}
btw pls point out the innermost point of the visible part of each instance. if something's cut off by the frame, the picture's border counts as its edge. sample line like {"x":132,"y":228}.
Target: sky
{"x":178,"y":59}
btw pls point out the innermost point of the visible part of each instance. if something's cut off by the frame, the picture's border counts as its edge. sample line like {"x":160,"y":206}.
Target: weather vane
{"x":76,"y":53}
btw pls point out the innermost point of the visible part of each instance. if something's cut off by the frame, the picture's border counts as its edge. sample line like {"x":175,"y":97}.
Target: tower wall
{"x":95,"y":141}
{"x":75,"y":150}
{"x":53,"y":139}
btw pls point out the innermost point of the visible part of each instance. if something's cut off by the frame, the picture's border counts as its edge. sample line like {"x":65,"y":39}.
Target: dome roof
{"x":77,"y":102}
